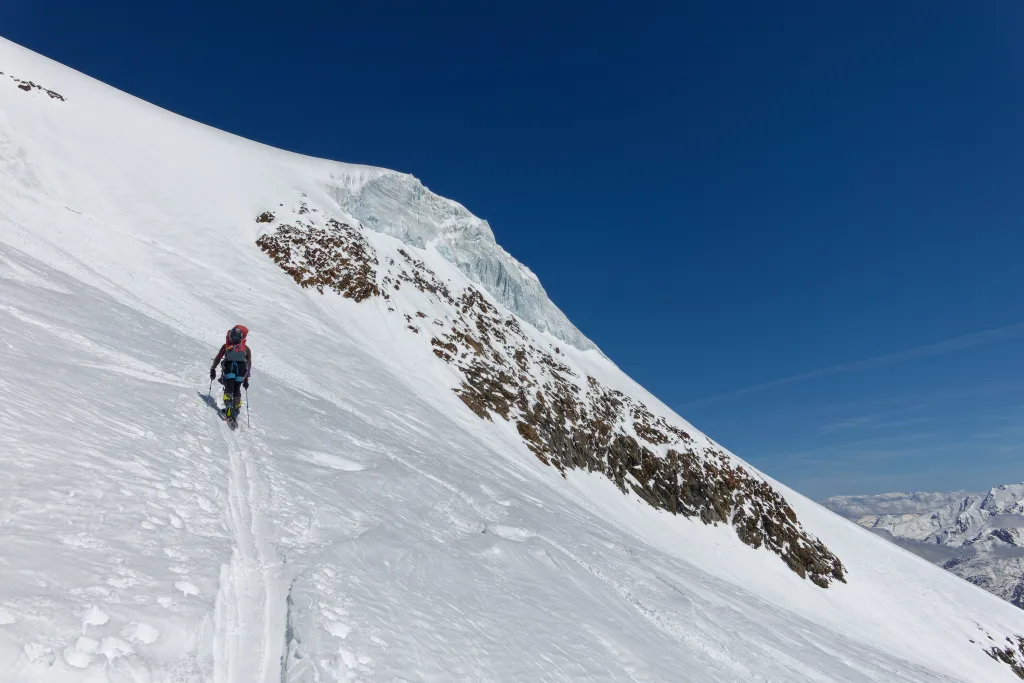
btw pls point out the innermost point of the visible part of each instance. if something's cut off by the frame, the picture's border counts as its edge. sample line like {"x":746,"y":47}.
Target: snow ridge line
{"x":251,"y":607}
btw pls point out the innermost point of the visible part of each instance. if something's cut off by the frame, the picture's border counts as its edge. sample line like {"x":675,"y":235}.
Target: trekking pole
{"x":209,"y":392}
{"x":247,"y":422}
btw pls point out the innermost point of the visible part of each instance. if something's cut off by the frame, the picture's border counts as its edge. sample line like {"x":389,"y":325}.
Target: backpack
{"x":235,"y":351}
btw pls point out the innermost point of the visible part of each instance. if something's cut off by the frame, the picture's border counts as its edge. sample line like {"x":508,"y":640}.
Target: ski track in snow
{"x":251,"y":604}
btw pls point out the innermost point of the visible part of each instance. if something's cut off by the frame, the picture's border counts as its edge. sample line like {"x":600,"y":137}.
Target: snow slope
{"x":368,"y":526}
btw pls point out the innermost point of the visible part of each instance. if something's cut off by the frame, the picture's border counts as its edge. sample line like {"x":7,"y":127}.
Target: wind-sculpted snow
{"x":568,"y":421}
{"x":399,"y":205}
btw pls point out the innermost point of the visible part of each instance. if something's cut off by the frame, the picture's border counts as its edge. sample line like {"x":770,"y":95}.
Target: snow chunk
{"x":94,"y":616}
{"x":82,"y":654}
{"x":140,"y":633}
{"x":339,"y":630}
{"x":187,"y":588}
{"x":112,"y":648}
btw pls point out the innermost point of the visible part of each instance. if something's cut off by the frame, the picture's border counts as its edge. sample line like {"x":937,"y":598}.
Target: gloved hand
{"x":245,"y":382}
{"x":213,"y":373}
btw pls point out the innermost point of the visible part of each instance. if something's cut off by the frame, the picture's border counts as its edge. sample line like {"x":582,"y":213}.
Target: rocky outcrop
{"x":567,"y":419}
{"x":29,"y":86}
{"x":1012,"y":655}
{"x":334,"y":256}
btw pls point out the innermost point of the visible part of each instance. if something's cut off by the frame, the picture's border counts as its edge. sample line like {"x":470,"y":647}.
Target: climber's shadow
{"x":209,"y":400}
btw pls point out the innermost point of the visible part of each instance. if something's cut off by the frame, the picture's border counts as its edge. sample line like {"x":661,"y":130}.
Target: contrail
{"x":928,"y":350}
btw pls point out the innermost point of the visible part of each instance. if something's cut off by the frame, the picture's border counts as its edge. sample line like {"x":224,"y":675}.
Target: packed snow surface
{"x":367,"y":526}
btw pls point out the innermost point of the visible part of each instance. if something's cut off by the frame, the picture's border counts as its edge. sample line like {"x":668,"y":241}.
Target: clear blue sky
{"x":739,"y":202}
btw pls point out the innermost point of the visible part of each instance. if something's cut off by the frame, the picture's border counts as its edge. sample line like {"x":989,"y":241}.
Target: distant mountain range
{"x":977,"y":536}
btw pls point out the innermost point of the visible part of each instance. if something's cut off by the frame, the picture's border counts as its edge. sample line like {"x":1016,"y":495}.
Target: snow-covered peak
{"x":1007,"y":499}
{"x":961,"y":520}
{"x":399,"y":205}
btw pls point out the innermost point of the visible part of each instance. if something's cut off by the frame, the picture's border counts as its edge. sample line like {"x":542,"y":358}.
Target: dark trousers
{"x":232,"y":376}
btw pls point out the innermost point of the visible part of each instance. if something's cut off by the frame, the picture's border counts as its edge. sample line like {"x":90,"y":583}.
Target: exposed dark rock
{"x":423,"y":278}
{"x":954,"y":561}
{"x":1005,"y":536}
{"x":1012,"y":655}
{"x":29,"y":86}
{"x":335,"y":257}
{"x":265,"y":217}
{"x":444,"y":351}
{"x":574,"y":428}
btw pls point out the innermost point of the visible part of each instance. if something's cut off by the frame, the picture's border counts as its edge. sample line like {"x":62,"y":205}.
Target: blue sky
{"x":797,"y":223}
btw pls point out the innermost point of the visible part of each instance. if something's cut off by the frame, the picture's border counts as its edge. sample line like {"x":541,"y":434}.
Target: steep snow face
{"x":568,"y":418}
{"x":371,"y":524}
{"x":399,"y":205}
